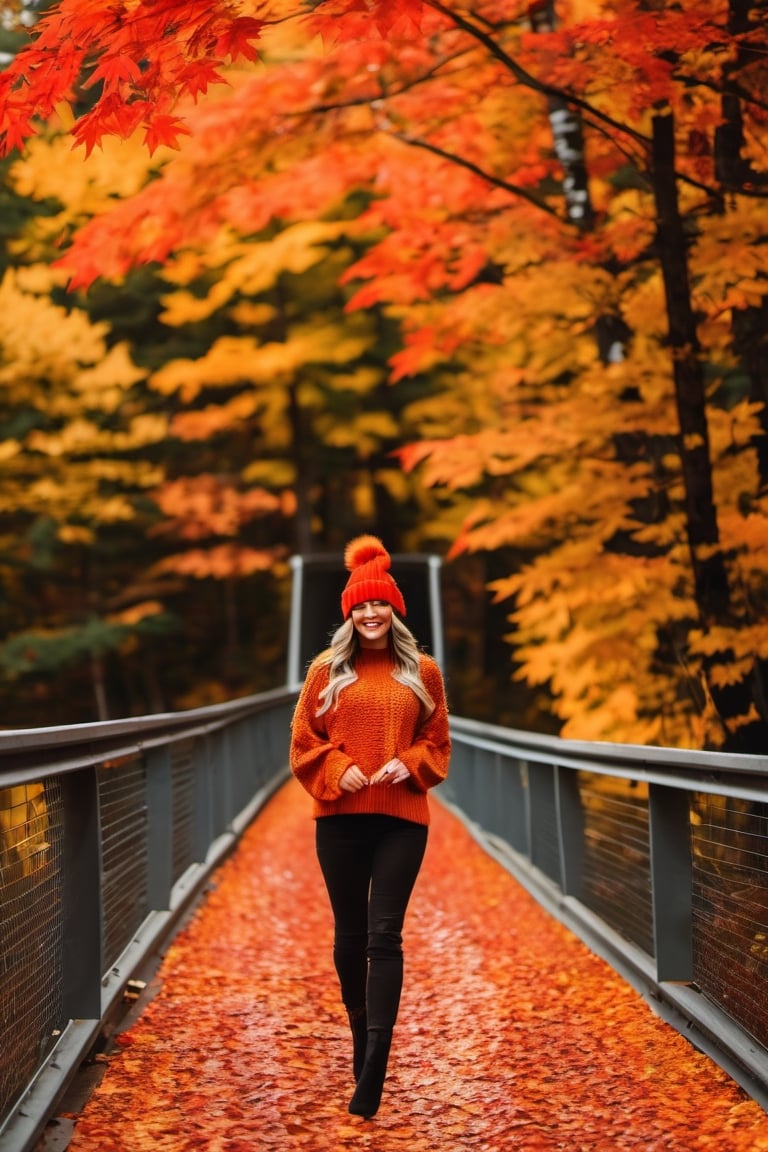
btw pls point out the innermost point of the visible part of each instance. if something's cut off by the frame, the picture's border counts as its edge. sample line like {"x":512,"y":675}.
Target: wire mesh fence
{"x":31,"y":930}
{"x":616,"y":870}
{"x":729,"y":840}
{"x":123,"y":815}
{"x":183,"y":806}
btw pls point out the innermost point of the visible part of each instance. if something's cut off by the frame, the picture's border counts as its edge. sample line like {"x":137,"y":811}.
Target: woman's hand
{"x":353,"y":780}
{"x":393,"y":772}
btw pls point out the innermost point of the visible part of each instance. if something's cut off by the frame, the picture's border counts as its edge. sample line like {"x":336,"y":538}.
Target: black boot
{"x":367,"y":1097}
{"x":358,"y":1022}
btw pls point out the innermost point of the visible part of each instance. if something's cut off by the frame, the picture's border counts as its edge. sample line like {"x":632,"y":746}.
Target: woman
{"x":369,"y":739}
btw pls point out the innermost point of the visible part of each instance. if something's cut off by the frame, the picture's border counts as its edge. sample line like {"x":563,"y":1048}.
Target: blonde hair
{"x":340,"y":657}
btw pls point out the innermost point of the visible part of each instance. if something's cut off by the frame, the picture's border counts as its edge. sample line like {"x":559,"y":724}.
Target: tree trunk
{"x":567,"y":135}
{"x":750,"y":342}
{"x":99,"y":686}
{"x":708,"y":563}
{"x":733,"y":170}
{"x":611,"y":332}
{"x":304,"y":471}
{"x":709,"y":572}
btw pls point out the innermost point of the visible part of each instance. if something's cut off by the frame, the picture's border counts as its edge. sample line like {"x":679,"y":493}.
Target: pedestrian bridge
{"x":655,"y":859}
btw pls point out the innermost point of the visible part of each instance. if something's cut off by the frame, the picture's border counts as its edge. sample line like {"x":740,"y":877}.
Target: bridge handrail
{"x":107,"y":833}
{"x":148,"y":806}
{"x":656,"y":857}
{"x":32,"y":752}
{"x":676,"y":767}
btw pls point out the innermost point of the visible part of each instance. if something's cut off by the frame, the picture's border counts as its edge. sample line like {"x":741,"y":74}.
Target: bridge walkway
{"x":512,"y":1035}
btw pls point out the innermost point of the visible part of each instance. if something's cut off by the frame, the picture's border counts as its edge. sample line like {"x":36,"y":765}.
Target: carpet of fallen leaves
{"x":512,"y":1035}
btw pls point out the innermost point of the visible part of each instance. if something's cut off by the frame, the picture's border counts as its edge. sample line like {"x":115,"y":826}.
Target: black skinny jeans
{"x":370,"y":864}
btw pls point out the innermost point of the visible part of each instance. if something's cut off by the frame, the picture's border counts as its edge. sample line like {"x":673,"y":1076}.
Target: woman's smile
{"x":372,"y":620}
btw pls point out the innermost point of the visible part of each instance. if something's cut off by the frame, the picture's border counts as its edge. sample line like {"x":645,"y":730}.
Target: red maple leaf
{"x":162,"y":129}
{"x":235,"y":39}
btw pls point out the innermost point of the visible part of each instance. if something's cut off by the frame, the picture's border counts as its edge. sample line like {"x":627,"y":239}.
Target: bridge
{"x":650,"y":863}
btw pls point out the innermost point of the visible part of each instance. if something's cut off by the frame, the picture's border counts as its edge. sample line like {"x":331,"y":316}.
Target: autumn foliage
{"x":511,"y":1033}
{"x":88,"y":45}
{"x":547,"y":219}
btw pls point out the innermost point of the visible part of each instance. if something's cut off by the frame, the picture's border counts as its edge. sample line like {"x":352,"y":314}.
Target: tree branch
{"x":530,"y":81}
{"x":495,"y":181}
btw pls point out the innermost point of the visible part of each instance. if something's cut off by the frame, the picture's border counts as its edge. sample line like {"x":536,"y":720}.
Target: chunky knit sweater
{"x":374,"y":720}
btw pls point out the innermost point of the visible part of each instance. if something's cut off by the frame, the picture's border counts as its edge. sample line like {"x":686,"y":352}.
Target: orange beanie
{"x":368,"y":561}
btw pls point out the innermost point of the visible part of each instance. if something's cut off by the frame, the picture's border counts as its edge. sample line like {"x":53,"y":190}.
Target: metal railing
{"x":107,"y":832}
{"x":657,"y":858}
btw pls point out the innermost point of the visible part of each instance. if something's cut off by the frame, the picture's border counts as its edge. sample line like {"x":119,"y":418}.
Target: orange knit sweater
{"x":375,"y":719}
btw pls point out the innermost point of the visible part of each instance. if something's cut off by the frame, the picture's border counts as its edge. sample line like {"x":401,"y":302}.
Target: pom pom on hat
{"x":364,"y":548}
{"x":368,"y":561}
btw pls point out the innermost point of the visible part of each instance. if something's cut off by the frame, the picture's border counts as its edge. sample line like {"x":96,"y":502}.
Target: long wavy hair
{"x":340,"y":656}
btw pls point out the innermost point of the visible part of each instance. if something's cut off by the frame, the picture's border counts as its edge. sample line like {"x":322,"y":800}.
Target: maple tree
{"x":568,"y":208}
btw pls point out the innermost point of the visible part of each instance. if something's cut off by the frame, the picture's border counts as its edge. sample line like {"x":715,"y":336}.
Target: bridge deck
{"x":512,"y":1035}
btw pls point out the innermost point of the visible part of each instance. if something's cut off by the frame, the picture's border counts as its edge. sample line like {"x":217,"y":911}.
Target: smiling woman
{"x":370,"y":738}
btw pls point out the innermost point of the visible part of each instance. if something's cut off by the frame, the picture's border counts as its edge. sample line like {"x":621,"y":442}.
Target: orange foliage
{"x":204,"y":507}
{"x":546,"y":431}
{"x":511,"y":1034}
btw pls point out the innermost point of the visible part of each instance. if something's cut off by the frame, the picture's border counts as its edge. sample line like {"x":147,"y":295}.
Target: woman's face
{"x":372,"y":621}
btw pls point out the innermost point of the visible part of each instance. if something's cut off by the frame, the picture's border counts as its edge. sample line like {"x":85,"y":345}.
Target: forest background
{"x":487,"y":279}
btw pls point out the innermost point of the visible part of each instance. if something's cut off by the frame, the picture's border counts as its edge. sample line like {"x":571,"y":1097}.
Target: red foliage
{"x":145,"y":56}
{"x":511,"y":1033}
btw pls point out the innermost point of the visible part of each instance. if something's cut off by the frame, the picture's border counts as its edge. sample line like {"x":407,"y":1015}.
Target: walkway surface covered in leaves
{"x":512,"y":1034}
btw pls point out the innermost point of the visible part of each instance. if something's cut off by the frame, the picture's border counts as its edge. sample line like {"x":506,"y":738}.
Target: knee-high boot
{"x":358,"y":1022}
{"x":367,"y":1097}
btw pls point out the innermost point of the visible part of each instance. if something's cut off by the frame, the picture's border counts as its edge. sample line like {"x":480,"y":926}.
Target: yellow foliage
{"x":105,"y":383}
{"x":81,"y":415}
{"x":734,"y":723}
{"x":245,"y":268}
{"x":9,"y":449}
{"x":726,"y":675}
{"x":746,"y":643}
{"x":365,"y":433}
{"x":51,"y":170}
{"x":364,"y":499}
{"x":241,"y":359}
{"x":276,"y":474}
{"x":76,"y":534}
{"x":729,"y":257}
{"x":136,"y":613}
{"x":40,"y":340}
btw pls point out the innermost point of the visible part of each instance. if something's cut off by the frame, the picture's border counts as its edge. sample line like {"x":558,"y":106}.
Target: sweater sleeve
{"x":427,"y":758}
{"x":316,"y":763}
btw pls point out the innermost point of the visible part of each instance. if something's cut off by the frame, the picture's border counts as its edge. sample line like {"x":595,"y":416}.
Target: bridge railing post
{"x":570,"y":827}
{"x":81,"y":895}
{"x":159,"y":827}
{"x":671,"y":882}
